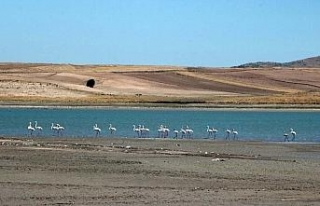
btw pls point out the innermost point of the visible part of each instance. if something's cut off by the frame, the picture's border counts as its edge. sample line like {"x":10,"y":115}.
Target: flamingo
{"x":214,"y":133}
{"x":176,"y":132}
{"x":228,"y":132}
{"x":144,"y":131}
{"x":96,"y":129}
{"x":161,"y":131}
{"x":293,"y":133}
{"x":112,"y":129}
{"x":235,"y":133}
{"x":38,"y":128}
{"x":189,"y":132}
{"x":136,"y":130}
{"x":31,"y":129}
{"x":54,"y":128}
{"x":209,"y":131}
{"x":166,"y":131}
{"x":60,"y":129}
{"x":286,"y":137}
{"x":183,"y":132}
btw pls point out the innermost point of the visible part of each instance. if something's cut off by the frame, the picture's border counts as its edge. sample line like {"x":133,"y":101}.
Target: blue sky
{"x":159,"y":32}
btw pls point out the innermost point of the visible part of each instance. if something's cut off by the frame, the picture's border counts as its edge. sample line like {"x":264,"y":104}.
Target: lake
{"x":261,"y":125}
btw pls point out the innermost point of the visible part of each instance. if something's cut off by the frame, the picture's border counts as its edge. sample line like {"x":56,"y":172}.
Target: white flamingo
{"x":144,"y":131}
{"x":112,"y":129}
{"x":54,"y":128}
{"x":189,"y":132}
{"x":228,"y":132}
{"x":286,"y":137}
{"x":214,"y":133}
{"x":161,"y":131}
{"x":235,"y":134}
{"x":136,"y":130}
{"x":60,"y":129}
{"x":293,"y":133}
{"x":37,"y":127}
{"x":166,"y":131}
{"x":96,"y":129}
{"x":209,"y":131}
{"x":183,"y":132}
{"x":31,"y":129}
{"x":176,"y":132}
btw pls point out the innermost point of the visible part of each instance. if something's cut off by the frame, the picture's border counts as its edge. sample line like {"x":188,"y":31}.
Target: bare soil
{"x":55,"y":171}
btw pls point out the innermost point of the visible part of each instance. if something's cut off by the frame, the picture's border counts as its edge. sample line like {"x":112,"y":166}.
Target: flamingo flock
{"x":141,"y":131}
{"x":57,"y":129}
{"x":34,"y":128}
{"x":212,"y":132}
{"x":97,"y":130}
{"x":163,"y":131}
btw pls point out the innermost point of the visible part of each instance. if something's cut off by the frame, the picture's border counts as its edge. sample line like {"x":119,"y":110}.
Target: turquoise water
{"x":265,"y":125}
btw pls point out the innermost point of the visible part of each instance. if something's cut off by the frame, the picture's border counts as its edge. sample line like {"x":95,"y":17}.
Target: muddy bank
{"x":54,"y":171}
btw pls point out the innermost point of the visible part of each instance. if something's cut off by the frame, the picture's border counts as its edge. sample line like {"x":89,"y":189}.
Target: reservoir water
{"x":261,"y":125}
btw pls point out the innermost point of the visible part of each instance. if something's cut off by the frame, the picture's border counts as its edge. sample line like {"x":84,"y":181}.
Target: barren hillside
{"x":123,"y":83}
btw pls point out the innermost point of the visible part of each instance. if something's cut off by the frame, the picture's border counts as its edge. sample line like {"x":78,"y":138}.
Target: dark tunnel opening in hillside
{"x":91,"y":83}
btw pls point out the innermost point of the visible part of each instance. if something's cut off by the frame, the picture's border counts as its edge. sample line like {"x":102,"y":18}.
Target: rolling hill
{"x":313,"y":62}
{"x":66,"y":84}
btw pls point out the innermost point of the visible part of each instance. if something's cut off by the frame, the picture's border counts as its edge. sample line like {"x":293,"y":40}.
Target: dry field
{"x":121,"y":84}
{"x":55,"y":171}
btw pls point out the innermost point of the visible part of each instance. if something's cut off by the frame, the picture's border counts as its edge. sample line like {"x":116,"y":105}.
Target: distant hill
{"x":313,"y":62}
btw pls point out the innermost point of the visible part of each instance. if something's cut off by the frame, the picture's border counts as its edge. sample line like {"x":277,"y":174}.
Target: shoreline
{"x":200,"y":140}
{"x":270,"y":107}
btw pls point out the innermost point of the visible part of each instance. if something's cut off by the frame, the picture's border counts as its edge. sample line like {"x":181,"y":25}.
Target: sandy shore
{"x":55,"y":171}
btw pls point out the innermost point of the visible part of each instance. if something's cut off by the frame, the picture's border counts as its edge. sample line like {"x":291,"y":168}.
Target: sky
{"x":208,"y":33}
